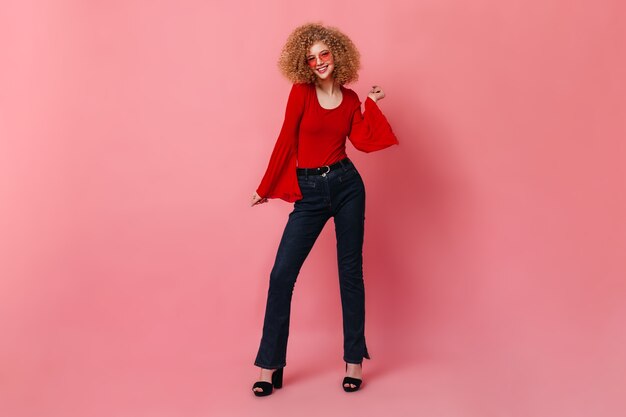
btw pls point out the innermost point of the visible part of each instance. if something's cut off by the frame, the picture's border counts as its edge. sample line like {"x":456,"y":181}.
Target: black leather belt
{"x":323,"y":170}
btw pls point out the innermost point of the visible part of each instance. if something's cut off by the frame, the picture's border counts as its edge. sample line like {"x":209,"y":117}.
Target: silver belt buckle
{"x":324,"y":174}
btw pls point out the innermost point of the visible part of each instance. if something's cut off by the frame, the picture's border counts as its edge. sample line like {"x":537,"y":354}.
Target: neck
{"x":328,"y":85}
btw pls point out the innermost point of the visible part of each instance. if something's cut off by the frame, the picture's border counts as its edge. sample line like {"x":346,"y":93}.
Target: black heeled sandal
{"x":350,"y":380}
{"x":268,"y":387}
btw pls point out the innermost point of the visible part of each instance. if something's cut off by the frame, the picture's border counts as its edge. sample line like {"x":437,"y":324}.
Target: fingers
{"x":256,"y":201}
{"x":377,"y":92}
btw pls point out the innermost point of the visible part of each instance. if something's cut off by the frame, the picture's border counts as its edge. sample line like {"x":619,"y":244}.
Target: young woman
{"x":310,"y":168}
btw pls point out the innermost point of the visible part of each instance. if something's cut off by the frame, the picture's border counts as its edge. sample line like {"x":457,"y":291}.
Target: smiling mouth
{"x":323,"y":69}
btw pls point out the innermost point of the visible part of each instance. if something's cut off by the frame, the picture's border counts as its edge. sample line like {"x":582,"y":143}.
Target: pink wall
{"x":134,"y":271}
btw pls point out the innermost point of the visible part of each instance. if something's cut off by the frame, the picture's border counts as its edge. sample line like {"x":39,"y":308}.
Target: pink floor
{"x":469,"y":380}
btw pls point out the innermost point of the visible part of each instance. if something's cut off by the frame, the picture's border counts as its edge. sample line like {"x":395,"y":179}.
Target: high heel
{"x":267,"y":387}
{"x":350,"y":380}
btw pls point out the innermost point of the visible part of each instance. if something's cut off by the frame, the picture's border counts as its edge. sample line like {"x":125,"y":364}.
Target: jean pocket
{"x":306,"y":184}
{"x":350,"y":173}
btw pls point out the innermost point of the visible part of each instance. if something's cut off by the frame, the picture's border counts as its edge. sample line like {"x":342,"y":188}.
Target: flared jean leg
{"x":349,"y":218}
{"x":303,"y":227}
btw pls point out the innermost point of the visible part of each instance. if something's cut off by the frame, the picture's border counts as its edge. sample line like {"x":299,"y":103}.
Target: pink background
{"x":134,"y":271}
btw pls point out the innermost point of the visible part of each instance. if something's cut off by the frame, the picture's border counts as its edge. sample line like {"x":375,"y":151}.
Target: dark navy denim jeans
{"x":339,"y":194}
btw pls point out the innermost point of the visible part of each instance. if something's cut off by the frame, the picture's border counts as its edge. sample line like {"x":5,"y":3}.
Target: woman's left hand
{"x":376,"y":93}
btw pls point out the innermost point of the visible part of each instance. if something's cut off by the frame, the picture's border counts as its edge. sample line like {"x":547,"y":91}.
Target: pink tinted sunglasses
{"x":324,"y":57}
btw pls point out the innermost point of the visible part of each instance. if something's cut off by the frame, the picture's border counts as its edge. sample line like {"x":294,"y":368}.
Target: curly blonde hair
{"x":292,"y":61}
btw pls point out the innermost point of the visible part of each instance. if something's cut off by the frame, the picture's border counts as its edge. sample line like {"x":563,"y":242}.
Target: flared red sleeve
{"x":280,"y":179}
{"x":370,"y":130}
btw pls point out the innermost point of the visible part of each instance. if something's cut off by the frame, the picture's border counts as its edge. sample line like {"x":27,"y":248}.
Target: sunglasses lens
{"x":324,"y":57}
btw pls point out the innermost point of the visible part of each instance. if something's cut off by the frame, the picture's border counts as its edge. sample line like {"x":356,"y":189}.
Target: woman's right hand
{"x":256,"y":199}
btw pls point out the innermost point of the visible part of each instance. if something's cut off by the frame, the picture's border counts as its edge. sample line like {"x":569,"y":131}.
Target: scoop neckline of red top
{"x":343,"y":97}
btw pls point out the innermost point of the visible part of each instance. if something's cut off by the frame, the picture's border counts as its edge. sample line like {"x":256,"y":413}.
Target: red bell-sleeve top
{"x":312,"y":136}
